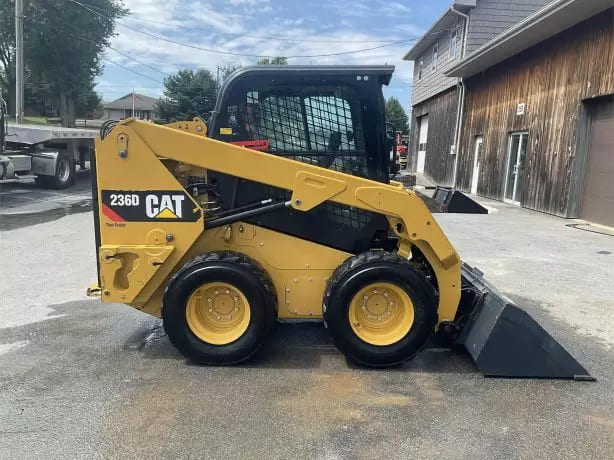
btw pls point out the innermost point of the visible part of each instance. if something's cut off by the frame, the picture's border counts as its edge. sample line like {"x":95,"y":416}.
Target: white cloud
{"x":169,"y":58}
{"x":248,"y":2}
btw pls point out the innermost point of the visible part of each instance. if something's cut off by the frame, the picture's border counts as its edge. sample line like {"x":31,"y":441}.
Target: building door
{"x":477,"y":157}
{"x":515,"y":162}
{"x":598,"y":200}
{"x":423,"y":131}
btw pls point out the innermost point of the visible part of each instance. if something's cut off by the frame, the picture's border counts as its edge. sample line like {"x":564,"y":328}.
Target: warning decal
{"x":147,"y":206}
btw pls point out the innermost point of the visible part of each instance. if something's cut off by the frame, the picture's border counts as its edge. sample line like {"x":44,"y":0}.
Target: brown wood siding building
{"x":441,"y":111}
{"x":558,"y":80}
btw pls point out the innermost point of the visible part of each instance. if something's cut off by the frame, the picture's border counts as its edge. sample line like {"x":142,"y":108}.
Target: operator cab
{"x":328,"y":116}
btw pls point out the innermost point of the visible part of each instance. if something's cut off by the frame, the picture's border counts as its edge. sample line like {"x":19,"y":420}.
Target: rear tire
{"x":219,"y":308}
{"x":379,"y":310}
{"x":64,"y":174}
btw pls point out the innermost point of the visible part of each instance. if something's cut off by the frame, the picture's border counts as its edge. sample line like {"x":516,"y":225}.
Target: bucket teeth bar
{"x":505,"y":341}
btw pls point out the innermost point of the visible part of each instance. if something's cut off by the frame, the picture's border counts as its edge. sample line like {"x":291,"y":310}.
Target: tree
{"x":63,"y":43}
{"x":227,"y":70}
{"x":396,"y":115}
{"x":187,"y":94}
{"x":273,"y":61}
{"x":7,"y":52}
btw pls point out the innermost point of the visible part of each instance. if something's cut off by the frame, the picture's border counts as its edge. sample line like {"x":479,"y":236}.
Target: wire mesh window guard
{"x":320,"y":126}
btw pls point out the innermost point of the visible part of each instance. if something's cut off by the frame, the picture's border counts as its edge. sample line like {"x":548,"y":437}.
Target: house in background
{"x":538,"y":115}
{"x":143,"y":106}
{"x":436,"y":97}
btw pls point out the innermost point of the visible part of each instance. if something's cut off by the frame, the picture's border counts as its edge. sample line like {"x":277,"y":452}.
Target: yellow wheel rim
{"x":218,"y":313}
{"x":381,"y":314}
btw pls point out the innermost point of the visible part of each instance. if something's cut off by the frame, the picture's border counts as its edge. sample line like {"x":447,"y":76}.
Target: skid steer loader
{"x":281,"y":208}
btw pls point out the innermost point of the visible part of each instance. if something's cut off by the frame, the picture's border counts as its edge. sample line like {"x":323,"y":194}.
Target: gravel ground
{"x":83,"y":379}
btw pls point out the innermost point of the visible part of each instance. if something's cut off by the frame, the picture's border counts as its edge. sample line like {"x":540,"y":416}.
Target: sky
{"x":261,"y":28}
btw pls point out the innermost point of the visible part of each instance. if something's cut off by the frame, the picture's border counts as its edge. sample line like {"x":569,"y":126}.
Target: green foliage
{"x":227,"y":70}
{"x":396,"y":115}
{"x":63,"y":43}
{"x":187,"y":94}
{"x":273,"y":61}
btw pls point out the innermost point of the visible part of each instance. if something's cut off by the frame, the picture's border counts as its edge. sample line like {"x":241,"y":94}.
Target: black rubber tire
{"x":351,"y":277}
{"x":57,"y":181}
{"x":232,"y":268}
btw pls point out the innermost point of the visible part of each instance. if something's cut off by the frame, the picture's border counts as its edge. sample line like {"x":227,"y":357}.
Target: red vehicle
{"x":401,"y":150}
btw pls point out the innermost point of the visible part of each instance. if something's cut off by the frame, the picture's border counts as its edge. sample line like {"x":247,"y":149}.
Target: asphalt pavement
{"x":79,"y":378}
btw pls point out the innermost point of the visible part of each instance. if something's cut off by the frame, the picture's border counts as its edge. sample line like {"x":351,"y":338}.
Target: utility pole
{"x":19,"y":109}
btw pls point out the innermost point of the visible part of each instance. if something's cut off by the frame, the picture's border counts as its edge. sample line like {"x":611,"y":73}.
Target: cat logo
{"x":148,"y":206}
{"x":164,"y":206}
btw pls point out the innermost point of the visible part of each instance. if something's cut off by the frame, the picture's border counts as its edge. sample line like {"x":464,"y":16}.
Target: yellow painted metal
{"x":381,"y":314}
{"x":290,"y":262}
{"x":196,"y":126}
{"x":94,"y":291}
{"x":138,"y":170}
{"x":311,"y":190}
{"x":218,"y":313}
{"x":125,"y":270}
{"x":142,"y":169}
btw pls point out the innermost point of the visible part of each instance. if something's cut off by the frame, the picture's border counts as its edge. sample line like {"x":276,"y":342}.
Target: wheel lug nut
{"x":218,"y":317}
{"x":374,"y":291}
{"x":209,"y":299}
{"x":211,"y":309}
{"x":227,"y":291}
{"x":385,"y":294}
{"x":366,"y":297}
{"x":236,"y":299}
{"x":217,"y":292}
{"x":236,"y":308}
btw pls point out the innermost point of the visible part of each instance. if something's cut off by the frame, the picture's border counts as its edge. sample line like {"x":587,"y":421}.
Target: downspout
{"x":461,"y":97}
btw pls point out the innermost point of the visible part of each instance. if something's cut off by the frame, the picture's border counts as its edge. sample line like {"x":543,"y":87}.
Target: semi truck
{"x":47,"y":154}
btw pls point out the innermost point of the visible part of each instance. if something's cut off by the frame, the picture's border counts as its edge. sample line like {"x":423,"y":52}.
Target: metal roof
{"x":384,"y":71}
{"x":443,"y":24}
{"x":141,"y":102}
{"x":545,"y":23}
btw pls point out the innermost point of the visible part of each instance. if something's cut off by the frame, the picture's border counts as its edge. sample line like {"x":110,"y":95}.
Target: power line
{"x":133,"y":71}
{"x":140,"y":62}
{"x":239,"y":35}
{"x":230,"y":53}
{"x":262,"y":37}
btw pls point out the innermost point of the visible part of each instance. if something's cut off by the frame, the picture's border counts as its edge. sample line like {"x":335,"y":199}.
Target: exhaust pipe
{"x":505,"y":341}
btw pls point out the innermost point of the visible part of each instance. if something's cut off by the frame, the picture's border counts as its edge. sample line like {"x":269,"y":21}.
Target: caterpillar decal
{"x":147,"y":206}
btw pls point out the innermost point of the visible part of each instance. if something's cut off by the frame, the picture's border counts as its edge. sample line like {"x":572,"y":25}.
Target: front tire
{"x":219,"y":308}
{"x":379,"y":310}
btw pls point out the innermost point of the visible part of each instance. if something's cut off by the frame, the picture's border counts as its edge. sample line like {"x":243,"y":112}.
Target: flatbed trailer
{"x":48,"y":154}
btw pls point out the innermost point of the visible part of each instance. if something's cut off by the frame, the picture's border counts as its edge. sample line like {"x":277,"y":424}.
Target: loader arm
{"x":132,"y":161}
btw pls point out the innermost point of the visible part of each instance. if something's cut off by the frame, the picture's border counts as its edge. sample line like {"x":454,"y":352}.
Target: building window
{"x":420,"y":67}
{"x":435,"y":56}
{"x":453,"y":42}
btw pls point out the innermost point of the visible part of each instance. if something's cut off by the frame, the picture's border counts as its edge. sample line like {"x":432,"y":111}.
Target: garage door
{"x":598,"y":204}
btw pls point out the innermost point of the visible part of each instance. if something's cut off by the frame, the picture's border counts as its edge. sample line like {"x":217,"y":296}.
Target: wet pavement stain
{"x":20,"y":220}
